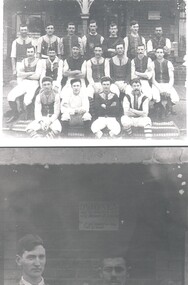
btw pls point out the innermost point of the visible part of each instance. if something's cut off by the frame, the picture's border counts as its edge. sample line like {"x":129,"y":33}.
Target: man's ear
{"x":100,"y":273}
{"x":18,"y":260}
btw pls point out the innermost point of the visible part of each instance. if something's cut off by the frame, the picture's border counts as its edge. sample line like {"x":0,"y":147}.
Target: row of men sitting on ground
{"x":105,"y":110}
{"x":157,"y":77}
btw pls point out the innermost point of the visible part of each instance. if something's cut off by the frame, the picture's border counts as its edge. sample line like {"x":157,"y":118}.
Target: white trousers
{"x":102,"y":122}
{"x":165,"y":88}
{"x":26,"y":88}
{"x":128,"y":122}
{"x":36,"y":126}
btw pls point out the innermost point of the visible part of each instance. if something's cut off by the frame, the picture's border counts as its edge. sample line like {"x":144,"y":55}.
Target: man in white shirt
{"x":133,"y":40}
{"x":75,"y":108}
{"x":158,"y":41}
{"x":19,"y":48}
{"x":29,"y":73}
{"x":31,"y":258}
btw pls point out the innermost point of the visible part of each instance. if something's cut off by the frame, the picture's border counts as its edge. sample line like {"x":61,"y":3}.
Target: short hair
{"x":133,"y":22}
{"x":92,"y":22}
{"x":49,"y":24}
{"x":113,"y":24}
{"x":71,"y":24}
{"x":28,"y":243}
{"x":120,"y":43}
{"x":23,"y":25}
{"x":135,"y":80}
{"x":141,"y":45}
{"x":159,"y":48}
{"x":106,"y":78}
{"x":159,"y":26}
{"x":47,"y":78}
{"x":29,"y":47}
{"x":75,"y":80}
{"x":98,"y":45}
{"x":51,"y":49}
{"x":75,"y":45}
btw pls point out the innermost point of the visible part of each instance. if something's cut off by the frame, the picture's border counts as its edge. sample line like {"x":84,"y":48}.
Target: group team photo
{"x":116,"y":69}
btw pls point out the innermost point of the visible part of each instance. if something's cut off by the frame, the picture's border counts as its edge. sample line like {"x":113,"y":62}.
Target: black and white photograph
{"x":82,"y":217}
{"x":94,"y":73}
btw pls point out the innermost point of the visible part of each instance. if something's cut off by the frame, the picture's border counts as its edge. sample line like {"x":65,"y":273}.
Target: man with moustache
{"x":110,"y":43}
{"x":31,"y":258}
{"x":141,"y":68}
{"x":19,"y":48}
{"x":114,"y":271}
{"x":136,"y":109}
{"x":158,"y":41}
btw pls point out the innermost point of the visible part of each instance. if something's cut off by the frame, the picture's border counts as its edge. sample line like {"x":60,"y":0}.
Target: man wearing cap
{"x":47,"y":110}
{"x":107,"y":110}
{"x":31,"y":258}
{"x":136,"y":108}
{"x":114,"y":270}
{"x":48,"y":41}
{"x":75,"y":108}
{"x":74,"y":67}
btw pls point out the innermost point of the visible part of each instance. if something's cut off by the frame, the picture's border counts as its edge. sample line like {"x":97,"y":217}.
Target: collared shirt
{"x":53,"y":64}
{"x":70,"y":101}
{"x":24,"y":282}
{"x":150,"y":45}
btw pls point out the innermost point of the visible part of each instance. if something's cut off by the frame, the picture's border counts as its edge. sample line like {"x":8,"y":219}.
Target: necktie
{"x":135,"y":101}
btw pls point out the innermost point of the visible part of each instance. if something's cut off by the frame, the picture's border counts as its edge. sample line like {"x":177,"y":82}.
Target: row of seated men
{"x":106,"y":110}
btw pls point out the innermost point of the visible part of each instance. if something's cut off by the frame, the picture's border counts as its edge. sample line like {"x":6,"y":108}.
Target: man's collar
{"x":93,"y":34}
{"x":24,"y":282}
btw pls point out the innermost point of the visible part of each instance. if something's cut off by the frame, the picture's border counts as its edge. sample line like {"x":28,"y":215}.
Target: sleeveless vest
{"x":121,"y":72}
{"x":68,"y":43}
{"x":161,"y":71}
{"x":133,"y":43}
{"x":161,"y":42}
{"x":45,"y":46}
{"x":141,"y":105}
{"x":21,"y":51}
{"x":75,"y":64}
{"x":92,"y":41}
{"x":47,"y":104}
{"x":97,"y":71}
{"x":52,"y":73}
{"x":31,"y":67}
{"x":141,"y":64}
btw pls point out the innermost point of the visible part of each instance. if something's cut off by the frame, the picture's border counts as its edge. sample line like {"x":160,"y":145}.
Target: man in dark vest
{"x":47,"y":110}
{"x":91,"y":40}
{"x":109,"y":44}
{"x":141,"y":67}
{"x":69,"y":41}
{"x":158,"y":41}
{"x":53,"y":67}
{"x":29,"y":74}
{"x":120,"y":70}
{"x":48,"y":41}
{"x":136,"y":109}
{"x":31,"y":258}
{"x":74,"y":67}
{"x":107,"y":110}
{"x":164,"y":94}
{"x":19,"y":48}
{"x":133,"y":40}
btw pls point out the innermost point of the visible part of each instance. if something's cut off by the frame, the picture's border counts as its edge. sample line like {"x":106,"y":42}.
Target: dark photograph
{"x":94,"y":71}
